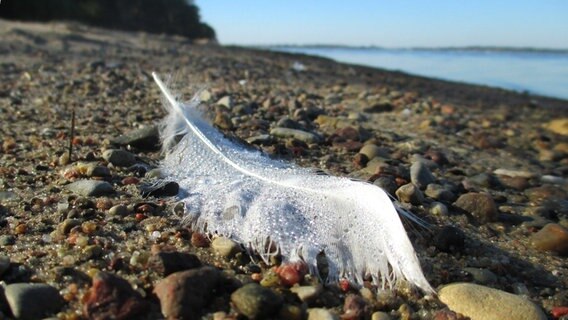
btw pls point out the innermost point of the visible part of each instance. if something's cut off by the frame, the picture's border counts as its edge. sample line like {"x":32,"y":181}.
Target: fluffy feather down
{"x":258,"y":201}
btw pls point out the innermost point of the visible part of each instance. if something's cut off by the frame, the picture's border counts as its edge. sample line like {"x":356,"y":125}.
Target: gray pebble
{"x":305,"y":136}
{"x":90,"y":188}
{"x":119,"y":158}
{"x":410,"y":193}
{"x":420,"y":175}
{"x":8,"y":196}
{"x":33,"y":300}
{"x":255,"y":301}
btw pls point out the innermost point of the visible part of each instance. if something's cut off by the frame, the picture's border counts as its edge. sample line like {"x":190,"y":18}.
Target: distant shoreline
{"x":458,"y":49}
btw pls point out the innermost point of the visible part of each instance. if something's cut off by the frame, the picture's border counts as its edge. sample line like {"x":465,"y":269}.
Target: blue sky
{"x":390,"y":23}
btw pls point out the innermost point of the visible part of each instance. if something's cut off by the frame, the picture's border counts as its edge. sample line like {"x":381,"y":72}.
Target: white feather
{"x":243,"y":194}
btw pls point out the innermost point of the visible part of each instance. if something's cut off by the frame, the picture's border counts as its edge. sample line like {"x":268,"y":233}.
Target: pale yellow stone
{"x":484,"y":303}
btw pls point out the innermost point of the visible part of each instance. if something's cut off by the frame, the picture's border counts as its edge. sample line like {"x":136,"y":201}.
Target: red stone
{"x":112,"y":297}
{"x":558,"y":312}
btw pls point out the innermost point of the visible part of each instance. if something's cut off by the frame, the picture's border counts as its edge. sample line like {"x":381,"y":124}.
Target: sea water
{"x":537,"y":72}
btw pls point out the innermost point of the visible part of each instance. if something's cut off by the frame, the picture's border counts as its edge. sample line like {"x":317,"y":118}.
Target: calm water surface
{"x":542,"y":73}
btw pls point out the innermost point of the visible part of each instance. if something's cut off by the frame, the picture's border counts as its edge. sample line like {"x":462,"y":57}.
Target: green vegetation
{"x":180,"y":17}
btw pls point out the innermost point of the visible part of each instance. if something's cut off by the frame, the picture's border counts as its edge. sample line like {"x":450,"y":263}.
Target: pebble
{"x":516,"y":183}
{"x":162,"y":189}
{"x":94,"y":170}
{"x":226,"y":102}
{"x":438,"y":209}
{"x":484,"y":303}
{"x":439,"y":192}
{"x":514,"y":173}
{"x":118,"y":210}
{"x":166,"y":263}
{"x":481,"y":276}
{"x":225,"y":247}
{"x":6,"y":196}
{"x":204,"y":95}
{"x":146,"y":138}
{"x":156,"y":173}
{"x":112,"y":297}
{"x":480,"y":205}
{"x":559,"y":126}
{"x":262,"y":139}
{"x":183,"y":295}
{"x":379,"y":315}
{"x":545,"y":193}
{"x":420,"y":175}
{"x":553,"y":237}
{"x":321,"y":314}
{"x":482,"y":180}
{"x":307,"y":293}
{"x":409,"y":193}
{"x":33,"y":300}
{"x":4,"y":264}
{"x":255,"y":301}
{"x":387,"y":183}
{"x":301,"y":135}
{"x":449,"y":239}
{"x":383,"y":105}
{"x":354,"y":307}
{"x":90,"y":188}
{"x":372,"y":151}
{"x":119,"y":158}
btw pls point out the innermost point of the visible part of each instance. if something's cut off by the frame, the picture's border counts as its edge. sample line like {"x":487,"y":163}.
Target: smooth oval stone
{"x":484,"y":303}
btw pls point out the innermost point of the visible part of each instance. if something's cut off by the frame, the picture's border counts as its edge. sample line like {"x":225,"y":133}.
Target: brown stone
{"x":553,"y":237}
{"x":480,"y":205}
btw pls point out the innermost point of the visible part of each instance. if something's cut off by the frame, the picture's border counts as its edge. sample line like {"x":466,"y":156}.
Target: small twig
{"x":72,"y":134}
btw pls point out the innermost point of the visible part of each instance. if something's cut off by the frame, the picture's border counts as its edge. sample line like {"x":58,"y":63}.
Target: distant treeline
{"x":180,"y":17}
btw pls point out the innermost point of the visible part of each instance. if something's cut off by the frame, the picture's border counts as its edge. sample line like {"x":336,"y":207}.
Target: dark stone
{"x":147,"y":138}
{"x":255,"y":301}
{"x":479,"y":205}
{"x":112,"y":297}
{"x":166,"y":263}
{"x":183,"y":295}
{"x":162,"y":189}
{"x":449,"y":239}
{"x":384,"y":105}
{"x":387,"y":183}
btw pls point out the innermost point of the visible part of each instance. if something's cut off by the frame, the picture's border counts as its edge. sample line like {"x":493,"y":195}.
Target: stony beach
{"x":84,"y":237}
